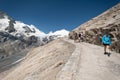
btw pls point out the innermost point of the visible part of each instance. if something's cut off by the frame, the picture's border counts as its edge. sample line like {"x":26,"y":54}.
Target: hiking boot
{"x":105,"y":53}
{"x":109,"y":54}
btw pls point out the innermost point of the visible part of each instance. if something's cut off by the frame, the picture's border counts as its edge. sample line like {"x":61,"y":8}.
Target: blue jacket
{"x":106,"y":39}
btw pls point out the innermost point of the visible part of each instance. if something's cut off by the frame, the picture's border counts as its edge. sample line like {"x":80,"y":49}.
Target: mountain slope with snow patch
{"x":16,"y":36}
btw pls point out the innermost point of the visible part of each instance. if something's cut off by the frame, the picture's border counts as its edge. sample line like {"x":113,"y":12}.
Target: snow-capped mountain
{"x":18,"y":28}
{"x":28,"y":30}
{"x":54,"y":35}
{"x":16,"y":35}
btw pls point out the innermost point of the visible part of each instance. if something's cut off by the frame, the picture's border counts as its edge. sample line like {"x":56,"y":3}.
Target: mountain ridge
{"x":51,"y":57}
{"x":94,"y":29}
{"x":16,"y":36}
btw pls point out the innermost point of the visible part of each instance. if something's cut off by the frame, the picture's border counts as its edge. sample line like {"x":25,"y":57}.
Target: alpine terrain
{"x":63,"y":58}
{"x":17,"y":37}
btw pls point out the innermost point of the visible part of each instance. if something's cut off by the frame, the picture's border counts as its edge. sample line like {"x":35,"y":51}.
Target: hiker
{"x":74,"y":36}
{"x":81,"y":36}
{"x":106,"y":40}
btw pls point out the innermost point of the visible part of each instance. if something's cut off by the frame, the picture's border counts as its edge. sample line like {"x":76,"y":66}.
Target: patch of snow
{"x":17,"y":61}
{"x":60,"y":33}
{"x":4,"y":23}
{"x":36,"y":32}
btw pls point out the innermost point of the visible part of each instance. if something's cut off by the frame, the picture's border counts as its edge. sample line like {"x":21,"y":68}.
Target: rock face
{"x":10,"y":44}
{"x":93,"y":30}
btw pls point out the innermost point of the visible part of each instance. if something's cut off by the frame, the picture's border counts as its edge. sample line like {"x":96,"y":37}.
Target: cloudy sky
{"x":52,"y":15}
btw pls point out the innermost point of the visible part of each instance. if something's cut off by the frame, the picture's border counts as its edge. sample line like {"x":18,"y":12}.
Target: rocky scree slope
{"x":41,"y":63}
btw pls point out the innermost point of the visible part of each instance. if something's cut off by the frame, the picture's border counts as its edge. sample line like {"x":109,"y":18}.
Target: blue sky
{"x":52,"y":15}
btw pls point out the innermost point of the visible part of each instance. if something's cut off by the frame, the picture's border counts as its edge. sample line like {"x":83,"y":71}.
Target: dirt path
{"x":92,"y":64}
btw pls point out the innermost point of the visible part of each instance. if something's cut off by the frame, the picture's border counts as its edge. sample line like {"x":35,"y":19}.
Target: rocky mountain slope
{"x":15,"y":36}
{"x":94,"y":29}
{"x":42,"y":63}
{"x":63,"y":59}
